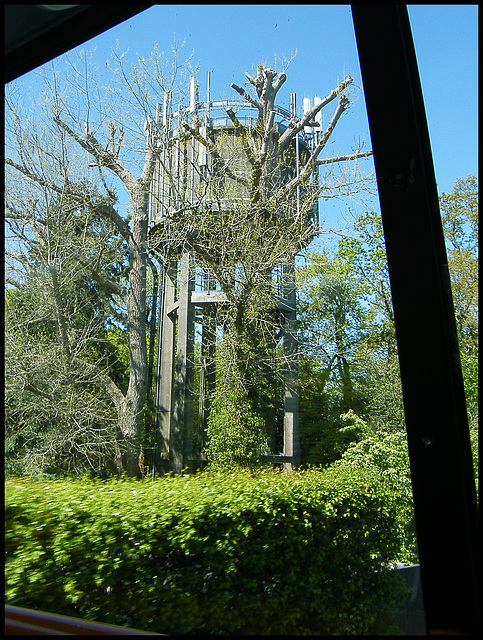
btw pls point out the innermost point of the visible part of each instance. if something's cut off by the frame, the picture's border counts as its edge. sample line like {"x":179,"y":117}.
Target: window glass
{"x":198,"y":296}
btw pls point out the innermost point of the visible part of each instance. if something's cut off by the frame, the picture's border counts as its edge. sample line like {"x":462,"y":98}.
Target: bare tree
{"x":254,"y":209}
{"x":55,"y":343}
{"x":109,"y":128}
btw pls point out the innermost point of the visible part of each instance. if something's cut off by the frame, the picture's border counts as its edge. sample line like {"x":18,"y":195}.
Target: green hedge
{"x":271,"y":553}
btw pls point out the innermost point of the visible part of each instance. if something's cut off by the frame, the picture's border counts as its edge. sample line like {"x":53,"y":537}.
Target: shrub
{"x":385,"y":453}
{"x":232,"y":553}
{"x":235,"y":433}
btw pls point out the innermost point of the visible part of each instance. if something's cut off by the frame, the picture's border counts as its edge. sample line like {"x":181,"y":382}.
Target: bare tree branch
{"x":308,"y":167}
{"x":103,"y":156}
{"x":264,"y":147}
{"x":104,"y":282}
{"x":38,"y":392}
{"x":243,"y":134}
{"x":296,"y":125}
{"x":82,"y":198}
{"x":59,"y":316}
{"x":247,"y":96}
{"x":12,"y":282}
{"x":352,"y":156}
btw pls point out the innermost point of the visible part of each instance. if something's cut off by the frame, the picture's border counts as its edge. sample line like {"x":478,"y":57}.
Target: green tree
{"x":57,"y":342}
{"x":459,"y":211}
{"x":385,"y":453}
{"x":377,"y":356}
{"x":334,"y":324}
{"x":360,"y":261}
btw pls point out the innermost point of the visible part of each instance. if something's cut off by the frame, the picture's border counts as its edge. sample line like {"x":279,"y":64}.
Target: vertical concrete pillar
{"x":182,"y":418}
{"x":291,"y":435}
{"x":166,"y":355}
{"x":208,"y":369}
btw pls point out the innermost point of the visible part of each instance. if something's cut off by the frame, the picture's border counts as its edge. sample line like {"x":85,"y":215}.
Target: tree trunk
{"x":132,"y":420}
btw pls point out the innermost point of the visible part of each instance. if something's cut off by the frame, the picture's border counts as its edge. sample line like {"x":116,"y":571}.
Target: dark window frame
{"x":439,"y":445}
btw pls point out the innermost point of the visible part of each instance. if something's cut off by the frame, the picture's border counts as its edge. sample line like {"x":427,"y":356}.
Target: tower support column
{"x":182,"y":419}
{"x":166,"y":362}
{"x":291,"y":428}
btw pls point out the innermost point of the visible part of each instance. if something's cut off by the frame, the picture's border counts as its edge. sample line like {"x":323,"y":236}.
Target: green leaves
{"x":459,"y":213}
{"x":385,"y":454}
{"x":211,"y":553}
{"x":236,"y":433}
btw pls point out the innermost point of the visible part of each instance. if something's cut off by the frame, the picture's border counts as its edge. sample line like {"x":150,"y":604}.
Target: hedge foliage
{"x":385,"y":453}
{"x":213,"y":553}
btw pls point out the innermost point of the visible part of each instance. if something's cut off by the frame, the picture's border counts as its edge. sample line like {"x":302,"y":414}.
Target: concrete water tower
{"x":191,"y":295}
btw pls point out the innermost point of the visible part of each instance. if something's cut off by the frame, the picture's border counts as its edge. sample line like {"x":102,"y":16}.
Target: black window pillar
{"x":434,"y":401}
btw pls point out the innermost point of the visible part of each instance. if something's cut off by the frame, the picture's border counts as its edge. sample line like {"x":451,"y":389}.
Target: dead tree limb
{"x":352,"y":156}
{"x":297,"y":124}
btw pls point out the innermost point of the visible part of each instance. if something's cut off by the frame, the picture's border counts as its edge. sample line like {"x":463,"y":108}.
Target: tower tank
{"x":202,"y":166}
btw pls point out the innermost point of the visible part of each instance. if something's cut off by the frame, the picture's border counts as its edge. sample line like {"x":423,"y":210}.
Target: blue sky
{"x":228,"y":40}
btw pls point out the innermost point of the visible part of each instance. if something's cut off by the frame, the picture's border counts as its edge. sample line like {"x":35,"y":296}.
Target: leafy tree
{"x":377,"y":356}
{"x":235,"y":433}
{"x":360,"y":261}
{"x":333,"y":322}
{"x":347,"y":333}
{"x":320,"y":411}
{"x":57,"y":342}
{"x":333,"y":327}
{"x":385,"y":453}
{"x":459,"y":210}
{"x":366,"y":253}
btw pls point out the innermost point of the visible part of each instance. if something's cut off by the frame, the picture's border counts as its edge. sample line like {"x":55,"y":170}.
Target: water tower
{"x":191,"y":295}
